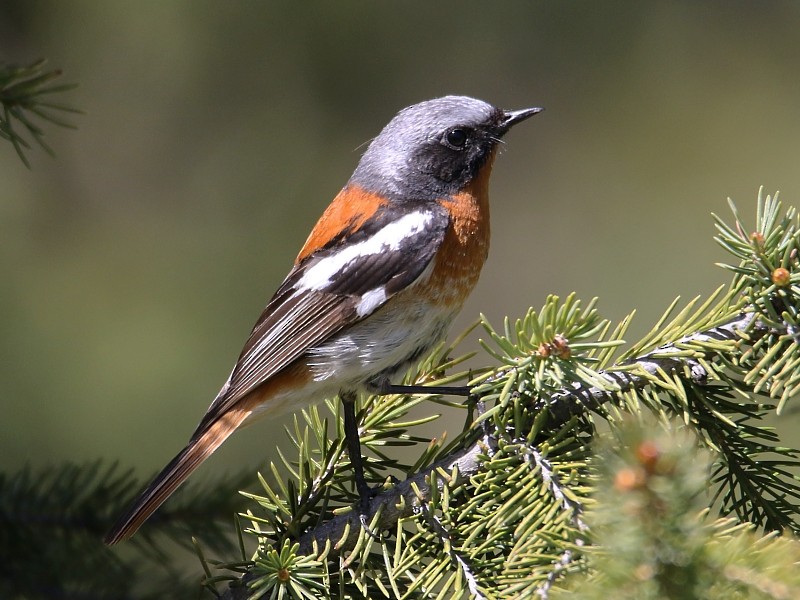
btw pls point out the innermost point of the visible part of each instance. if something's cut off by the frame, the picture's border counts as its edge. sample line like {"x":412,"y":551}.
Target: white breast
{"x":387,"y":340}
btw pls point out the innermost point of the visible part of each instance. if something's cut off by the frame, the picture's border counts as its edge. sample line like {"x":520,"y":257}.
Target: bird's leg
{"x":354,"y":450}
{"x":383,"y":387}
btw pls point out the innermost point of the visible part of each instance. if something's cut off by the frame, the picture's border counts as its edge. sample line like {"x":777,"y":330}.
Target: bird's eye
{"x":456,"y":138}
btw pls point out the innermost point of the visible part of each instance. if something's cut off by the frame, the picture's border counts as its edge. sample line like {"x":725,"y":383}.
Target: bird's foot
{"x":364,"y":507}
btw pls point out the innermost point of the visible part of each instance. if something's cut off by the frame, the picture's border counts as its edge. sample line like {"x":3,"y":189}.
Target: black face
{"x":455,"y":155}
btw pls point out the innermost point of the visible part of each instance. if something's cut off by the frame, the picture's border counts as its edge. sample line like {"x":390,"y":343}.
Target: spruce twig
{"x":25,"y":97}
{"x":501,"y":510}
{"x":52,"y":521}
{"x":403,"y":499}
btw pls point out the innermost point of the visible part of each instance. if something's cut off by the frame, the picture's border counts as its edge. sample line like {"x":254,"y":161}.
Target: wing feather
{"x":308,"y":309}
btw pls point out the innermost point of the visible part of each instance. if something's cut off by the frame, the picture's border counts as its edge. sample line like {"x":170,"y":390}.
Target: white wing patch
{"x":321,"y":275}
{"x":370,"y":301}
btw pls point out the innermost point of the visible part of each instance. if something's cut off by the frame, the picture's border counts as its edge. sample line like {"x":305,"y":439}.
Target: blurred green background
{"x":134,"y":264}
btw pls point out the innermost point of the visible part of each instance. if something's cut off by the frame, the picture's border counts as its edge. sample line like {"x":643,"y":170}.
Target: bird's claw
{"x":364,"y":505}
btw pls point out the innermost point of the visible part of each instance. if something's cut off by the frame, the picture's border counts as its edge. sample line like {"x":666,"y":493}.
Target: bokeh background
{"x":133,"y":265}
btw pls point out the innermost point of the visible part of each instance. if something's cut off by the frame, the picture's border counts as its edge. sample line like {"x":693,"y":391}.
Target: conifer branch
{"x":52,"y":521}
{"x":654,"y":538}
{"x":502,"y":509}
{"x":26,"y":97}
{"x":341,"y":533}
{"x":559,"y":566}
{"x":459,"y":561}
{"x":639,"y":372}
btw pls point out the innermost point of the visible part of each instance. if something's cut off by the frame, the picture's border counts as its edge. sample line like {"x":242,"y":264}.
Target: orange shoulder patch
{"x":350,"y":209}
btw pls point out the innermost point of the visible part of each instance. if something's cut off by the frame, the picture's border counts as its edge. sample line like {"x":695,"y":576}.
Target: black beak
{"x":512,"y":117}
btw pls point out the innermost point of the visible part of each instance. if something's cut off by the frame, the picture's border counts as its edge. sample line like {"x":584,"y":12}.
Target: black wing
{"x":332,"y":289}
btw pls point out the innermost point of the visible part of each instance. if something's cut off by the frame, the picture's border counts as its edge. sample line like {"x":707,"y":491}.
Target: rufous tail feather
{"x":174,"y":474}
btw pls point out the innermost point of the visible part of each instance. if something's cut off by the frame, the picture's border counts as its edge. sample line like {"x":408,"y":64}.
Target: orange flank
{"x":276,"y":389}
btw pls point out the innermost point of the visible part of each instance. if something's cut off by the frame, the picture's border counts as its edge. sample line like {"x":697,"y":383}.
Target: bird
{"x":374,"y":288}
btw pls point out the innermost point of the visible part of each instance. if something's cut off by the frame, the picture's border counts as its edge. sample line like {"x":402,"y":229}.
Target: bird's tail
{"x":174,"y":474}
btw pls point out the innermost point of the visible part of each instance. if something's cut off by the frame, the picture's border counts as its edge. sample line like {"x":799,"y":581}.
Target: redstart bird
{"x":375,"y":287}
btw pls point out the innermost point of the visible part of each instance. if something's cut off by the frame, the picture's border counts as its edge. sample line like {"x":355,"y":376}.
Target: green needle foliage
{"x":653,"y":535}
{"x":52,"y":522}
{"x":586,"y":467}
{"x":520,"y":503}
{"x":26,"y":97}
